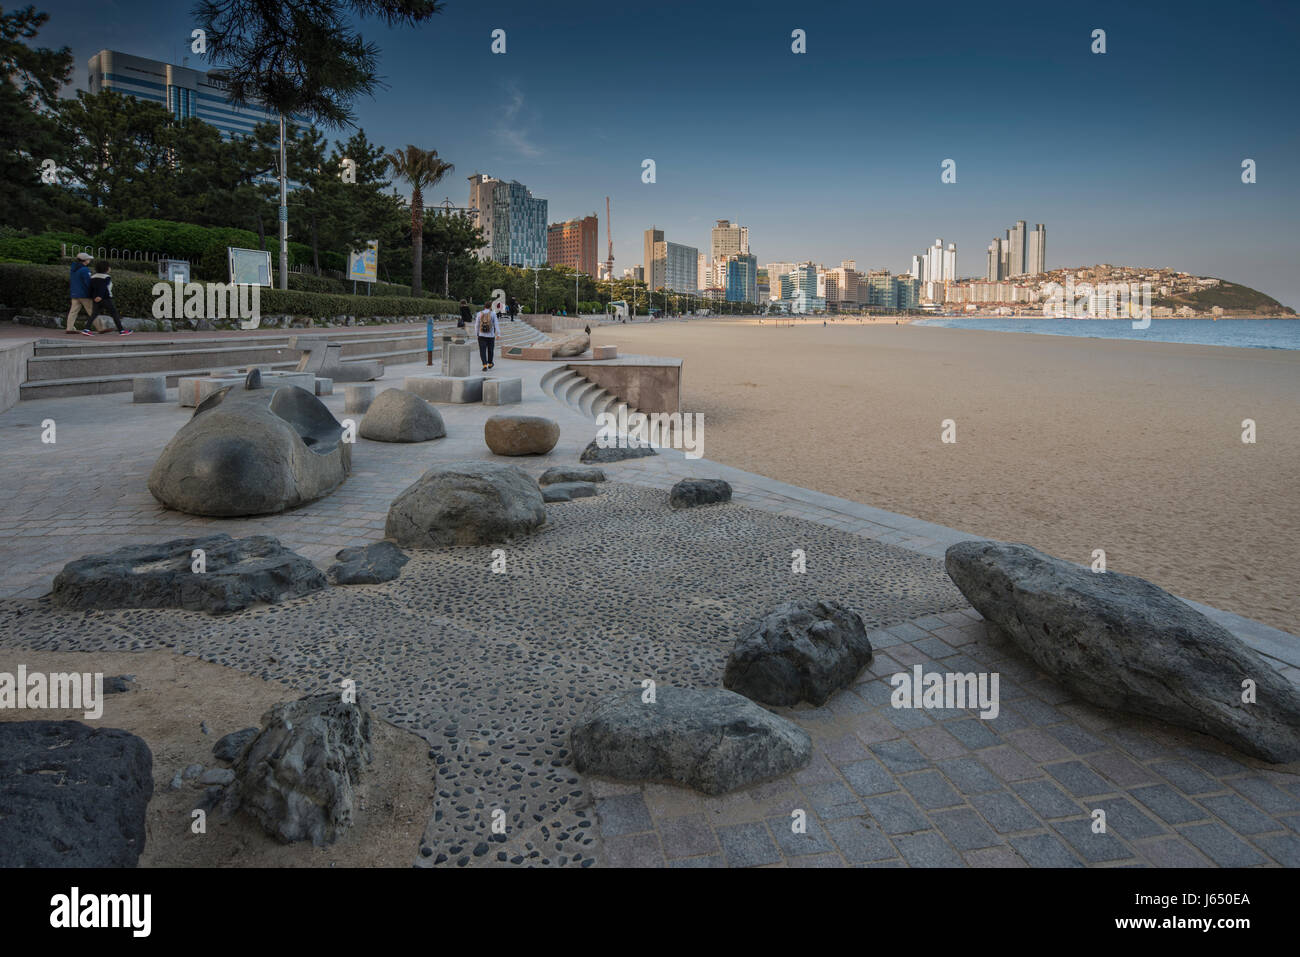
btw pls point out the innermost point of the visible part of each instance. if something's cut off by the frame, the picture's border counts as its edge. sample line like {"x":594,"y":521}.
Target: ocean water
{"x":1243,"y":333}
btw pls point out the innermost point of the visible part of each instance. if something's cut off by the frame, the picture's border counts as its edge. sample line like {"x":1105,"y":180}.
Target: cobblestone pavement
{"x":886,"y":787}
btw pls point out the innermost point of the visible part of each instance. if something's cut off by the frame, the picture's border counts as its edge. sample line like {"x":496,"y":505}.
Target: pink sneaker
{"x":126,"y":332}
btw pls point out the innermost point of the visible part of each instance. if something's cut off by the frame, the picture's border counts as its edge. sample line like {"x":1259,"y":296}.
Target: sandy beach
{"x":1068,"y":444}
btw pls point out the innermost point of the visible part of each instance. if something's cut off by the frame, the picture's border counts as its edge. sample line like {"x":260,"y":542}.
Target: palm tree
{"x":421,"y":169}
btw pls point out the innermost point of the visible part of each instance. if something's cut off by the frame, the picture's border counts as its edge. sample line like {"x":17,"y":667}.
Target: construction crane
{"x":609,"y":237}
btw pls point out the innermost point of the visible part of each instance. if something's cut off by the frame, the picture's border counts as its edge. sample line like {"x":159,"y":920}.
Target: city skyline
{"x":1114,"y":149}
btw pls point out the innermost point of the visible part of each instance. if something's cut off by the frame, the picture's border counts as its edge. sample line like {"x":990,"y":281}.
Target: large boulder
{"x":252,"y":452}
{"x":299,"y":776}
{"x":466,"y":503}
{"x":367,"y":564}
{"x":800,"y":651}
{"x":72,"y":795}
{"x":713,"y":740}
{"x":400,"y":416}
{"x":521,"y":434}
{"x":1121,"y":642}
{"x":236,"y":573}
{"x":571,"y":473}
{"x":693,"y":492}
{"x":573,"y":346}
{"x":595,"y":452}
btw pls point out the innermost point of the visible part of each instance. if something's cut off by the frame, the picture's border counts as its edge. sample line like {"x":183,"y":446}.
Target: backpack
{"x":485,"y":324}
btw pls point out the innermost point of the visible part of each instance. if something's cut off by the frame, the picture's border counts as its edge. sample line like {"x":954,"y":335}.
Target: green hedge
{"x":33,"y":249}
{"x":45,"y":289}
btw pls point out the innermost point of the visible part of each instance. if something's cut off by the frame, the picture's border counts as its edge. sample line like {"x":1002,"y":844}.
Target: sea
{"x":1241,"y":333}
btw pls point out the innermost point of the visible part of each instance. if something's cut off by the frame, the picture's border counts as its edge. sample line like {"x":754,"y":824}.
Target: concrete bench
{"x":542,"y":352}
{"x":324,"y":386}
{"x":323,"y":358}
{"x":503,"y":391}
{"x":192,"y":390}
{"x":149,"y":388}
{"x":604,"y":352}
{"x":445,"y":388}
{"x":357,"y":398}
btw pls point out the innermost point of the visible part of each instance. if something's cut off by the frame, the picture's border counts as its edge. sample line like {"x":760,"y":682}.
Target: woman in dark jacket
{"x":466,"y":316}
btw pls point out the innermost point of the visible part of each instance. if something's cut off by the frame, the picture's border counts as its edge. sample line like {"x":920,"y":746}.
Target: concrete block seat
{"x":503,"y":391}
{"x":149,"y":388}
{"x":445,"y":388}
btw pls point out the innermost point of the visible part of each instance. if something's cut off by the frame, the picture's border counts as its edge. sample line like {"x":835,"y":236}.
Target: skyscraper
{"x":950,"y":262}
{"x":654,"y":267}
{"x":1038,"y":250}
{"x":728,"y":238}
{"x":1017,"y":258}
{"x":991,"y":272}
{"x":742,"y":278}
{"x":670,"y":265}
{"x":573,"y":243}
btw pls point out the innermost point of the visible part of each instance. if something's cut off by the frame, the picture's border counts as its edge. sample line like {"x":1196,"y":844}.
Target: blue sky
{"x":1129,"y":157}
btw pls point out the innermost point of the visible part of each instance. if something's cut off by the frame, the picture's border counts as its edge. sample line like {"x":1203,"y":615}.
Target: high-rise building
{"x":1004,"y":255}
{"x":518,"y":226}
{"x":702,"y":269}
{"x":482,"y":188}
{"x":1038,"y":250}
{"x":184,"y":92}
{"x":573,"y":243}
{"x":742,"y":278}
{"x":994,"y":268}
{"x":728,"y":238}
{"x":917,"y":270}
{"x":654,"y":267}
{"x":1017,"y":256}
{"x":774,"y":273}
{"x":669,"y":265}
{"x":950,"y":263}
{"x":933,"y":266}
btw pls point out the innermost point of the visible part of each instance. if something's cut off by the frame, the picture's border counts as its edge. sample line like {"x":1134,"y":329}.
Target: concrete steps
{"x":580,"y":393}
{"x":85,"y":367}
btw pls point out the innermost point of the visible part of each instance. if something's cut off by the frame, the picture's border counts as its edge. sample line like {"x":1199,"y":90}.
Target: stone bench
{"x":357,"y":398}
{"x":604,"y":352}
{"x":456,"y":357}
{"x":324,"y":386}
{"x":149,"y":388}
{"x":192,"y":390}
{"x":503,"y":391}
{"x":445,"y":388}
{"x":542,"y":352}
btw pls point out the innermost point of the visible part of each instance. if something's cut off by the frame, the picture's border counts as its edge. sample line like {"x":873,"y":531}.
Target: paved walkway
{"x":886,"y":786}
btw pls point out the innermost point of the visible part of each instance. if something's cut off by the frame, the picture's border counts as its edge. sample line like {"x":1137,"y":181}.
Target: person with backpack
{"x":466,"y":318}
{"x":79,"y":292}
{"x":101,"y":292}
{"x":487,"y":328}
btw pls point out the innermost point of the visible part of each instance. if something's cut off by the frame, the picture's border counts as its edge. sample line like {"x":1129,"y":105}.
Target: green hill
{"x":1234,"y":300}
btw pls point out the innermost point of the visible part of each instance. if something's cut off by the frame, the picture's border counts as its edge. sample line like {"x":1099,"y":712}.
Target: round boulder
{"x":466,"y":503}
{"x":401,"y":416}
{"x":521,"y":434}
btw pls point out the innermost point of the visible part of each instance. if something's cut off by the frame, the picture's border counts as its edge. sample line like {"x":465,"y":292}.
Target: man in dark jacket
{"x":101,"y":291}
{"x":466,"y":317}
{"x":79,"y":291}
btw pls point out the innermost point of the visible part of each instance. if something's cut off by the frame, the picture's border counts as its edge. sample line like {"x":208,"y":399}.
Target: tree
{"x":30,"y":79}
{"x":450,"y":240}
{"x":299,"y":58}
{"x":421,"y":169}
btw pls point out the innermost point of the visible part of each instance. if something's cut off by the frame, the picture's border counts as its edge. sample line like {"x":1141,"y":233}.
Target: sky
{"x":1129,"y":157}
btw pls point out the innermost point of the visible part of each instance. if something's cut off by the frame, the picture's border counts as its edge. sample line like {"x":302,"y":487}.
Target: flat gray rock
{"x":367,"y":564}
{"x":72,"y":795}
{"x":400,"y":416}
{"x":567,"y":491}
{"x":713,"y":740}
{"x":571,"y":473}
{"x":594,"y":453}
{"x":1121,"y":642}
{"x":800,"y":651}
{"x":252,"y":452}
{"x":466,"y":503}
{"x":298,"y":777}
{"x":238,"y":573}
{"x":693,"y":492}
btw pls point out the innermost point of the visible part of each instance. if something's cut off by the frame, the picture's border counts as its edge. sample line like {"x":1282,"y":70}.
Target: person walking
{"x":79,"y":292}
{"x":487,"y":328}
{"x":101,"y":292}
{"x":466,"y":317}
{"x":514,"y":308}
